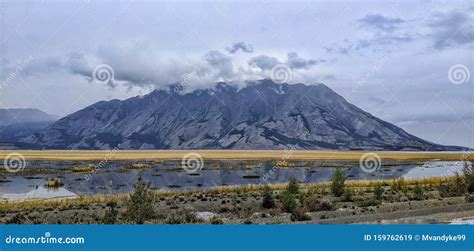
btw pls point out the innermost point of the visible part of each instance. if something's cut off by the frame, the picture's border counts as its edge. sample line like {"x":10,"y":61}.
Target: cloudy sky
{"x":407,"y":62}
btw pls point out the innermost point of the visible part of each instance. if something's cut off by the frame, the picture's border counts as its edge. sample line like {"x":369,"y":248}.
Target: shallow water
{"x":117,"y":177}
{"x":432,"y":169}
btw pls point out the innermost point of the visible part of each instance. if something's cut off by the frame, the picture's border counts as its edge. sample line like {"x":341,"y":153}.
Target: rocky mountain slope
{"x":263,"y":115}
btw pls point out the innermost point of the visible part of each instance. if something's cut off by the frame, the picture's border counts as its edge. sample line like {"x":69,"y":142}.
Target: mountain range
{"x":17,"y":123}
{"x":262,"y":115}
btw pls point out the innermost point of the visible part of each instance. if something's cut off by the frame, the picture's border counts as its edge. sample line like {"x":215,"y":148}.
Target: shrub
{"x":337,"y":183}
{"x":267,"y":194}
{"x":418,"y":192}
{"x":299,"y":214}
{"x":368,"y":202}
{"x":469,"y":177}
{"x":174,"y":218}
{"x":293,"y":186}
{"x":453,"y":187}
{"x":325,"y":205}
{"x":397,"y":184}
{"x":378,"y":191}
{"x":289,"y":201}
{"x":140,"y":206}
{"x":348,"y":194}
{"x":312,"y":202}
{"x":404,"y":187}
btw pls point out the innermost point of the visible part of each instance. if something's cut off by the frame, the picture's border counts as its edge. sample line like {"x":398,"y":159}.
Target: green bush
{"x":293,"y":186}
{"x":456,"y":186}
{"x":140,"y":206}
{"x":378,"y":191}
{"x":267,"y":194}
{"x":418,"y":192}
{"x":288,"y":201}
{"x":338,"y":183}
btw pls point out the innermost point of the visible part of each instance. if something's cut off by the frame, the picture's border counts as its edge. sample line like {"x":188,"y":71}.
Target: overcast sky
{"x":407,"y":62}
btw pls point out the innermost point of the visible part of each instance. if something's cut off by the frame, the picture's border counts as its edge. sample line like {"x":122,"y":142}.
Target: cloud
{"x":294,"y":61}
{"x":380,"y":22}
{"x":451,"y":28}
{"x":263,"y":62}
{"x":78,"y":64}
{"x":240,"y":46}
{"x":220,"y":63}
{"x":379,"y":31}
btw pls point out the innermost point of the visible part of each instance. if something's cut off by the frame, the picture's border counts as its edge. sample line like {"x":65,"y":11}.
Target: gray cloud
{"x":294,"y":61}
{"x":263,"y":62}
{"x":248,"y":48}
{"x":381,"y":22}
{"x":78,"y":64}
{"x":451,"y":28}
{"x":220,"y":63}
{"x":382,"y":31}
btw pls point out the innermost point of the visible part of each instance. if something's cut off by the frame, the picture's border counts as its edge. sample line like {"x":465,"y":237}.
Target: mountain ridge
{"x":18,"y":123}
{"x":262,"y":115}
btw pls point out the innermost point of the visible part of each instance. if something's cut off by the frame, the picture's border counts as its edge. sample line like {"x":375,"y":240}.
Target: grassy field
{"x":228,"y":154}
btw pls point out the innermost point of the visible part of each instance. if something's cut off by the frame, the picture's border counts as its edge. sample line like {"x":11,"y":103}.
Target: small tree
{"x":267,"y":194}
{"x":338,"y":183}
{"x":140,"y":206}
{"x":293,"y":186}
{"x":289,"y":202}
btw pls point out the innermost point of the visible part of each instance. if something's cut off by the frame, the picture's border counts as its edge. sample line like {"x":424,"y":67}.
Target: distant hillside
{"x":20,"y":123}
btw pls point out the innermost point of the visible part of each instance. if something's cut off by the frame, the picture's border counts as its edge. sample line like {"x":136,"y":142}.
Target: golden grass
{"x":54,"y":183}
{"x":139,"y":166}
{"x":81,"y":169}
{"x":81,"y":155}
{"x":284,"y":164}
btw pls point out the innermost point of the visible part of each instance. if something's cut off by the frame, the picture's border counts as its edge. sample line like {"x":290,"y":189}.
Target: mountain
{"x":263,"y":115}
{"x":16,"y":124}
